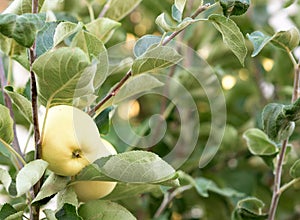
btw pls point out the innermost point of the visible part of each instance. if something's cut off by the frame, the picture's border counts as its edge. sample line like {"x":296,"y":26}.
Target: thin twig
{"x":168,"y":197}
{"x":104,"y":9}
{"x":296,"y":82}
{"x":8,"y":104}
{"x":129,"y":73}
{"x":277,"y":181}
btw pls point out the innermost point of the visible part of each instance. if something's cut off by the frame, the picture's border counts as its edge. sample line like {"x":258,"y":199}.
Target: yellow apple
{"x":90,"y":190}
{"x":70,"y":140}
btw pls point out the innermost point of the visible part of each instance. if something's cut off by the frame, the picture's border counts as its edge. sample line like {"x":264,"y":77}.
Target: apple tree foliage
{"x":78,"y":62}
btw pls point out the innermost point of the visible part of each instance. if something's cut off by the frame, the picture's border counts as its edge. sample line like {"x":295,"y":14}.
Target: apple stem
{"x":115,"y":90}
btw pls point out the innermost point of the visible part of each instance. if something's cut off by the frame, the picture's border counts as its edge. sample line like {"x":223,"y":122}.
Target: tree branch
{"x":35,"y":210}
{"x":129,"y":73}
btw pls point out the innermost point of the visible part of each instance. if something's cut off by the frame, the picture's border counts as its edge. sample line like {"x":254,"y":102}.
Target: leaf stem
{"x":8,"y":104}
{"x":288,"y":185}
{"x":115,"y":90}
{"x":91,"y":10}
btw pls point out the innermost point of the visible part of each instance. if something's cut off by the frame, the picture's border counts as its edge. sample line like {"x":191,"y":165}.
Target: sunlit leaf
{"x":156,"y":58}
{"x":5,"y":179}
{"x":65,"y":30}
{"x":258,"y":143}
{"x":22,"y":103}
{"x":167,"y":24}
{"x":126,"y":190}
{"x":104,"y":210}
{"x":103,"y":28}
{"x":129,"y":167}
{"x":144,"y":43}
{"x":6,"y":125}
{"x":68,"y":196}
{"x":136,"y":85}
{"x":295,"y":170}
{"x":30,"y":175}
{"x":52,"y":185}
{"x":177,"y":9}
{"x":63,"y":75}
{"x":232,"y":36}
{"x":119,"y":8}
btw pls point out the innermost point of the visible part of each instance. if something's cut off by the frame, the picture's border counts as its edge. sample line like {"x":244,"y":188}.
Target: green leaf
{"x":65,"y":30}
{"x":177,"y":9}
{"x":30,"y":175}
{"x":128,"y":190}
{"x":258,"y":143}
{"x":168,"y":25}
{"x":234,"y":7}
{"x":96,"y":50}
{"x":249,"y":208}
{"x":287,"y":40}
{"x":103,"y":28}
{"x":288,"y":3}
{"x":15,"y":216}
{"x":259,"y":40}
{"x":22,"y":103}
{"x":119,"y":8}
{"x":135,"y":85}
{"x":295,"y":170}
{"x":144,"y":43}
{"x":5,"y":179}
{"x":156,"y":58}
{"x":50,"y":214}
{"x":5,"y":44}
{"x":88,"y":43}
{"x":278,"y":120}
{"x":68,"y":212}
{"x":23,"y":28}
{"x":68,"y":196}
{"x":21,"y":6}
{"x":63,"y":75}
{"x":102,"y":120}
{"x":104,"y":210}
{"x":231,"y":34}
{"x":7,"y":210}
{"x":44,"y":38}
{"x":6,"y":125}
{"x":129,"y":167}
{"x":52,"y":185}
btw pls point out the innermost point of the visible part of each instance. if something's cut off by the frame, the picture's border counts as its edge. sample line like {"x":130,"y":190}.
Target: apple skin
{"x":70,"y":140}
{"x":91,"y":190}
